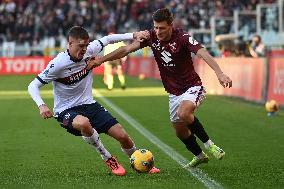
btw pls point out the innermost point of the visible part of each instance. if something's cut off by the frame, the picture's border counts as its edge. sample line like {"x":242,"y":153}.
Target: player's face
{"x":163,"y":30}
{"x":78,"y":47}
{"x":255,"y":40}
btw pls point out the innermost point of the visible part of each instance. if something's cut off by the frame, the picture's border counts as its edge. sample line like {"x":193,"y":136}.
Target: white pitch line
{"x":197,"y":173}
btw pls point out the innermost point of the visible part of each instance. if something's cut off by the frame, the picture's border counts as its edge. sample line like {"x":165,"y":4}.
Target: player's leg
{"x":90,"y":135}
{"x":190,"y":101}
{"x":106,"y":65}
{"x":121,"y":76}
{"x":180,"y":119}
{"x":108,"y":77}
{"x":197,"y":128}
{"x":118,"y":133}
{"x":127,"y":144}
{"x":80,"y":125}
{"x":189,"y":140}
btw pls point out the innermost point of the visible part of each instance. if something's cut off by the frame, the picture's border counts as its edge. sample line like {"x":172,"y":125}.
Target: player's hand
{"x":224,"y":80}
{"x":45,"y":112}
{"x":141,"y":36}
{"x":92,"y":63}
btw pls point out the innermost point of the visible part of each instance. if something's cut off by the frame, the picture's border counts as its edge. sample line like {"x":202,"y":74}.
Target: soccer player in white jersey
{"x":74,"y":106}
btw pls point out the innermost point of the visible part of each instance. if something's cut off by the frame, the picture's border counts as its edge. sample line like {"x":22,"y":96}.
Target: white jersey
{"x":72,"y":82}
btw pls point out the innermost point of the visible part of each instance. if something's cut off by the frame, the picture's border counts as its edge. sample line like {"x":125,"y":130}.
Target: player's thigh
{"x":100,"y":118}
{"x":187,"y":102}
{"x":195,"y":95}
{"x":80,"y":122}
{"x":119,"y":70}
{"x":185,"y":107}
{"x":66,"y":119}
{"x":107,"y":68}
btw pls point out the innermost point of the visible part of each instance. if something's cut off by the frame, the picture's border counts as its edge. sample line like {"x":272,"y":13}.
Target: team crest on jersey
{"x":157,"y":46}
{"x":173,"y":46}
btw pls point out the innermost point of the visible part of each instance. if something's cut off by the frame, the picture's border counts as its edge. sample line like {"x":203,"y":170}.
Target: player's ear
{"x":70,"y":42}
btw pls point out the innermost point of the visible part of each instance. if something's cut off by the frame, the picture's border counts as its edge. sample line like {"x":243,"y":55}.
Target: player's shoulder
{"x":60,"y":60}
{"x":180,"y":33}
{"x":185,"y":37}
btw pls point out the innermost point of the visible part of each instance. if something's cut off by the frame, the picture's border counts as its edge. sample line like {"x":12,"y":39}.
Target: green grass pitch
{"x":37,"y":153}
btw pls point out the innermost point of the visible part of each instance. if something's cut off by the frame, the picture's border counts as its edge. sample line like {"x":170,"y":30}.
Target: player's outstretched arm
{"x":33,"y":89}
{"x":113,"y":38}
{"x":117,"y":54}
{"x":224,"y":80}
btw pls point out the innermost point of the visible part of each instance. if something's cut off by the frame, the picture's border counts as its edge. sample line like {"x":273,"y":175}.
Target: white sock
{"x":129,"y":151}
{"x":200,"y":156}
{"x":95,"y":141}
{"x":208,"y":144}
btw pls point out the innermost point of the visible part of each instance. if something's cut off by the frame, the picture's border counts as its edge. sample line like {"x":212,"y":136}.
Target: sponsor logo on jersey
{"x":74,"y":78}
{"x":166,"y":57}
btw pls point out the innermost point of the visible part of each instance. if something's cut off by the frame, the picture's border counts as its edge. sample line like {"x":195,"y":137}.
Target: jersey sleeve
{"x":50,"y":73}
{"x":95,"y":47}
{"x":145,"y":43}
{"x":190,"y":43}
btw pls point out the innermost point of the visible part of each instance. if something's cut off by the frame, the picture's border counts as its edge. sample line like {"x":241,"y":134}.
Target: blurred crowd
{"x":31,"y":21}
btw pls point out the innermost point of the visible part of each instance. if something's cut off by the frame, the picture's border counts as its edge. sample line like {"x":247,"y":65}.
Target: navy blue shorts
{"x":100,"y":119}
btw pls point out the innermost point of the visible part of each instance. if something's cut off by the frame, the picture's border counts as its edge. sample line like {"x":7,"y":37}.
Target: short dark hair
{"x":163,"y":14}
{"x":258,"y":37}
{"x":78,"y":32}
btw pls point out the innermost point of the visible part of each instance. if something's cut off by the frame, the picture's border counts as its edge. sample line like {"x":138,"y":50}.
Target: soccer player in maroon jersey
{"x":172,"y":50}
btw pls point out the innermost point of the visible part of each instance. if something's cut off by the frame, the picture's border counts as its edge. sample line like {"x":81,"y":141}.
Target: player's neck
{"x":72,"y":57}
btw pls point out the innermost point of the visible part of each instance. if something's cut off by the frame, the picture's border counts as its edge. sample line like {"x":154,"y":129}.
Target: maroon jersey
{"x":174,"y":60}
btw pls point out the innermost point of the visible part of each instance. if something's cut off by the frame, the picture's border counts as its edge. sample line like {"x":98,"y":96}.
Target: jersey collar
{"x":72,"y":58}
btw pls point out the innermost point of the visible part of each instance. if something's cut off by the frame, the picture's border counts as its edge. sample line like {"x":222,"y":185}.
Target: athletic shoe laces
{"x":112,"y":163}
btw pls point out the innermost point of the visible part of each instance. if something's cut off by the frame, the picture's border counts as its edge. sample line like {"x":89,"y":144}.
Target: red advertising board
{"x":276,"y":80}
{"x":143,"y":65}
{"x":28,"y":65}
{"x":248,"y":76}
{"x":22,"y":65}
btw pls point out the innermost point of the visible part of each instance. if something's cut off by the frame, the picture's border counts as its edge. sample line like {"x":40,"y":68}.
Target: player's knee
{"x":185,"y":116}
{"x":83,"y":124}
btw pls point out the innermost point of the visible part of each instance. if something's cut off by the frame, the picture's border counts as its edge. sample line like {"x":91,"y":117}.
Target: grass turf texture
{"x":37,"y":153}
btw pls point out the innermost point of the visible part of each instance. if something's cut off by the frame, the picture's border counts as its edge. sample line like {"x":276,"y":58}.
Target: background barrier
{"x":252,"y":78}
{"x":276,"y":80}
{"x":28,"y":65}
